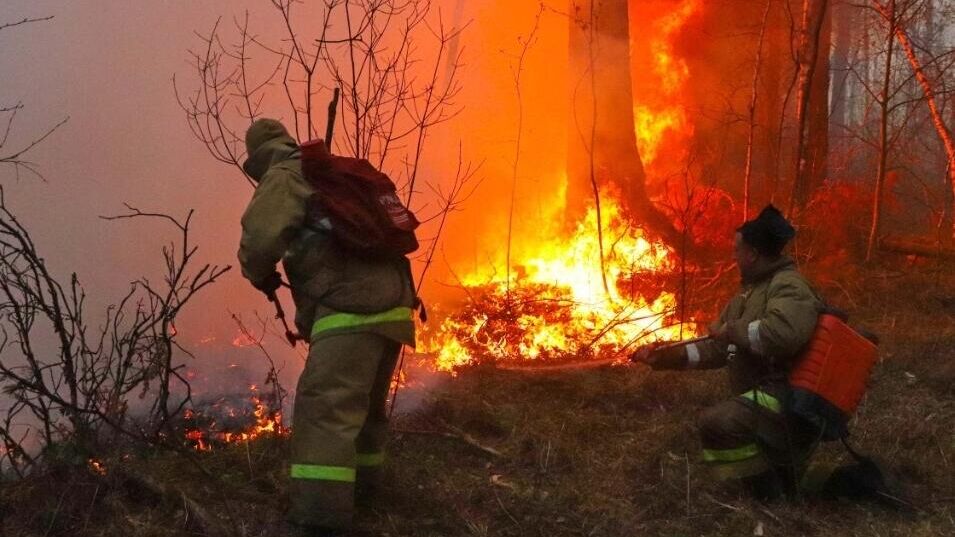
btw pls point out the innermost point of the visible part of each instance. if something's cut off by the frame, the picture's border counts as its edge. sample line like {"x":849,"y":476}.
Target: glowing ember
{"x":557,"y":307}
{"x":96,"y":467}
{"x":217,"y":425}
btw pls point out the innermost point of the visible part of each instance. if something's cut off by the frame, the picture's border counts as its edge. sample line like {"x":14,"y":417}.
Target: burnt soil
{"x":603,"y":451}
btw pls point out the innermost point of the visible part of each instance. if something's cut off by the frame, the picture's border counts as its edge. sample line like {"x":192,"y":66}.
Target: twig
{"x":456,"y":434}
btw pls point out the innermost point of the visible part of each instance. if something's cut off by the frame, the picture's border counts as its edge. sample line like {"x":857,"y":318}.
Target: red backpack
{"x":360,"y":204}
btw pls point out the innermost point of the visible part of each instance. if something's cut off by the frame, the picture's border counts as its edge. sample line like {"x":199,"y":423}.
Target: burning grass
{"x":232,"y":419}
{"x":565,"y":299}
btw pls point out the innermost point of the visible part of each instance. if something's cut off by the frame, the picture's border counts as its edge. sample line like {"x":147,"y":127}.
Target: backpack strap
{"x":418,"y":303}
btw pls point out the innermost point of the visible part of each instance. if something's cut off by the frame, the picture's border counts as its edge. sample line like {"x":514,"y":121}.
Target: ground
{"x":591,"y":452}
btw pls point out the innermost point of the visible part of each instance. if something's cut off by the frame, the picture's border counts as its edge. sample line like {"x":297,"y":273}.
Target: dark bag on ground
{"x":357,"y":204}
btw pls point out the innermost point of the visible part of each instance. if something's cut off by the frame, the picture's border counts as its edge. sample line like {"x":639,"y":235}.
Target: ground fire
{"x":232,"y":419}
{"x":556,"y":307}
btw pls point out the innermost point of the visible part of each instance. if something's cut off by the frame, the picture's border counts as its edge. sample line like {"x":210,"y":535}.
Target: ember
{"x":96,"y":467}
{"x":228,"y":420}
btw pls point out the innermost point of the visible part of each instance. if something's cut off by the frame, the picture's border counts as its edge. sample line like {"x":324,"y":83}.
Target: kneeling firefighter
{"x":357,"y":313}
{"x":759,"y":334}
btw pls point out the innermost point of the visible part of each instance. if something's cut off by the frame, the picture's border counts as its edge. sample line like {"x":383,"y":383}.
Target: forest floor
{"x":608,"y":451}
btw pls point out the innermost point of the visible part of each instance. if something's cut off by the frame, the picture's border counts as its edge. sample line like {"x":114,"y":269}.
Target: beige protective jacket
{"x":325,"y":279}
{"x":770,"y":321}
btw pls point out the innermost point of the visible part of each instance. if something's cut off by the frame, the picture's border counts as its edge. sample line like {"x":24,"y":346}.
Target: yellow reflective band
{"x":347,"y":320}
{"x":764,"y":400}
{"x":323,"y":473}
{"x":370,"y":459}
{"x":738,"y":469}
{"x":731,"y":455}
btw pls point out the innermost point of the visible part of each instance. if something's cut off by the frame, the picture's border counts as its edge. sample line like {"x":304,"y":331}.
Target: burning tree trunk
{"x":603,"y":155}
{"x":811,"y":101}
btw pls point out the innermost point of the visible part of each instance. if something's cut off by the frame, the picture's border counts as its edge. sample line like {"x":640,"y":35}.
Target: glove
{"x":733,"y":332}
{"x":270,"y":284}
{"x":661,"y":358}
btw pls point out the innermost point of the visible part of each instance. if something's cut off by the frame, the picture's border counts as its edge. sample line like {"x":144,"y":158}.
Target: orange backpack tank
{"x":829,"y":378}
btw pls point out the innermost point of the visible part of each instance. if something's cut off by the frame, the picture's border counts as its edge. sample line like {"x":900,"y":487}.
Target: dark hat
{"x":768,"y":233}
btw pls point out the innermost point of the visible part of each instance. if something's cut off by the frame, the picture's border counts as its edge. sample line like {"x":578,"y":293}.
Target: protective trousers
{"x":751,"y":435}
{"x":339,"y":426}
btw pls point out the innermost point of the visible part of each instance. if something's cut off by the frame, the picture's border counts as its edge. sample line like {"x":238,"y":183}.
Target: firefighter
{"x":356,"y":314}
{"x":752,"y":436}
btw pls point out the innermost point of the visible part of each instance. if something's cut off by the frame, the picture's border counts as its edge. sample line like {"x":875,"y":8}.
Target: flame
{"x":96,"y":466}
{"x":556,"y":306}
{"x":267,"y":422}
{"x":665,"y":115}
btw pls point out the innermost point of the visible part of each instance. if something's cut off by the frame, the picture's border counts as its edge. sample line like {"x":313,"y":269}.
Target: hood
{"x":267,"y":143}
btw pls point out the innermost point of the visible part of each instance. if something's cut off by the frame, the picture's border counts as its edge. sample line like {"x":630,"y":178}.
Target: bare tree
{"x":67,"y":380}
{"x":393,"y":94}
{"x":17,"y":156}
{"x":517,"y":71}
{"x":901,"y":33}
{"x":753,"y":101}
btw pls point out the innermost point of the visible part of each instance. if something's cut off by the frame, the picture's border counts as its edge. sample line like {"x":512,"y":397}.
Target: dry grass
{"x":609,"y":451}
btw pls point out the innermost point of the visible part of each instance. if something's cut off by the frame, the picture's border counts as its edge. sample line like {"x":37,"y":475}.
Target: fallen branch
{"x":455,"y":434}
{"x":915,"y":247}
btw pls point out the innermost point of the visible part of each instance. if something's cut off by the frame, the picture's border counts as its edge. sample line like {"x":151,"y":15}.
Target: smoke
{"x":109,"y":65}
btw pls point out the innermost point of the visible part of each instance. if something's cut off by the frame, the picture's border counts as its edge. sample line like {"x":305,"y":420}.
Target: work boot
{"x":370,"y":489}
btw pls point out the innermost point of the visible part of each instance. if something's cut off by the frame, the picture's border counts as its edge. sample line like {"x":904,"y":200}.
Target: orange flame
{"x":571,"y":312}
{"x":96,"y":466}
{"x":665,"y":115}
{"x":266,"y":423}
{"x":569,"y":296}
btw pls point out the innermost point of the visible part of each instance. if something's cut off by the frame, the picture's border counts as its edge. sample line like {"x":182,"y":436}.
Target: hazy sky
{"x":108,"y":65}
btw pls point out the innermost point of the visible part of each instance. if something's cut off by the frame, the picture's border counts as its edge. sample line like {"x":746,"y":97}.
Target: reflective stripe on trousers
{"x":339,"y":425}
{"x":337,"y":473}
{"x":350,"y":320}
{"x":729,"y":432}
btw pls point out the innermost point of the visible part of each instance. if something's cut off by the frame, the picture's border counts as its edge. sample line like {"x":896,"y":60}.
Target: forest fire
{"x":663,"y":114}
{"x":229,"y":420}
{"x":598,"y":287}
{"x":562,"y":302}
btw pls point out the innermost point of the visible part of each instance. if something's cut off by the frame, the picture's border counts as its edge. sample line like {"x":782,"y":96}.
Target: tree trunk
{"x":818,"y":120}
{"x":884,"y":110}
{"x":810,"y":36}
{"x":843,"y":16}
{"x":603,"y":144}
{"x":753,"y":101}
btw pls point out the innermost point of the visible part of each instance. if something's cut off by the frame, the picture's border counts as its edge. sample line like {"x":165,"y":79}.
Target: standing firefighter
{"x":357,"y":312}
{"x":757,"y":337}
